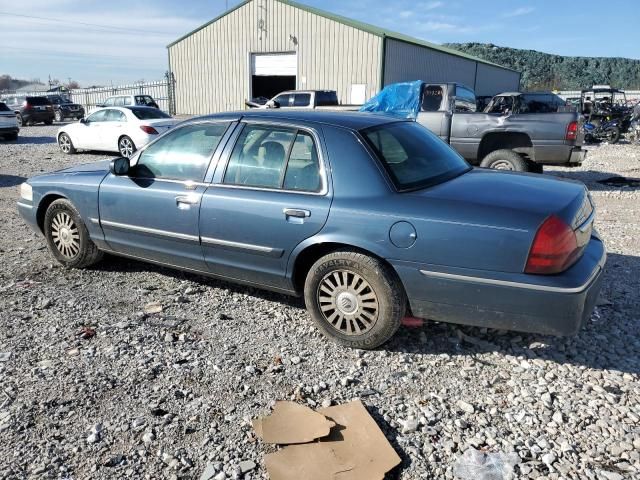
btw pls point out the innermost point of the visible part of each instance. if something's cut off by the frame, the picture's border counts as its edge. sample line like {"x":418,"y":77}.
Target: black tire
{"x":371,"y":298}
{"x":126,"y":147}
{"x":67,"y":236}
{"x":20,"y":120}
{"x":612,"y":134}
{"x":505,"y":160}
{"x":59,"y":117}
{"x":535,"y":167}
{"x":65,"y":144}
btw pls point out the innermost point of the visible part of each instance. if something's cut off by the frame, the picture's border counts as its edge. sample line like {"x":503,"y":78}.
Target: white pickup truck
{"x":304,"y":100}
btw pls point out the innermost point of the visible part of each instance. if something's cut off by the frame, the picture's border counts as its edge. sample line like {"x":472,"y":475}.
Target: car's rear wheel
{"x":67,"y":236}
{"x":505,"y":160}
{"x":356,"y":300}
{"x":65,"y":144}
{"x":59,"y":116}
{"x":126,"y":147}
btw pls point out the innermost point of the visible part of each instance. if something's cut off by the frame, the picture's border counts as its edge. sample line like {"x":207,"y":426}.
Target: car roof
{"x":352,"y":120}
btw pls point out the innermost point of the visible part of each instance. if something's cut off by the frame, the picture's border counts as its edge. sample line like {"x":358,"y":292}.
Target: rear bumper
{"x":552,"y":305}
{"x":44,"y":116}
{"x":559,"y":154}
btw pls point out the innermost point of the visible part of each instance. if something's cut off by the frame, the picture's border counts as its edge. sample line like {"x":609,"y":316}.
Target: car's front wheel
{"x":126,"y":147}
{"x":356,"y":300}
{"x":59,"y":116}
{"x":20,"y":120}
{"x":65,"y":144}
{"x":67,"y":236}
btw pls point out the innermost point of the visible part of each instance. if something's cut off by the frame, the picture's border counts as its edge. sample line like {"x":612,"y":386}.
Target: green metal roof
{"x":367,"y":27}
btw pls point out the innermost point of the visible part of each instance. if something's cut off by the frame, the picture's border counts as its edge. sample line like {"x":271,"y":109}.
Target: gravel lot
{"x":168,"y":395}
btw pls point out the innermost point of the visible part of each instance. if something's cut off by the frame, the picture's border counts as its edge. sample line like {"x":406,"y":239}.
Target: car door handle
{"x":296,"y":212}
{"x":187,"y":200}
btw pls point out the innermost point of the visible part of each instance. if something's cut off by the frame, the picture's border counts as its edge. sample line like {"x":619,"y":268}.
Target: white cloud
{"x":431,"y":5}
{"x":406,"y":14}
{"x":519,"y":12}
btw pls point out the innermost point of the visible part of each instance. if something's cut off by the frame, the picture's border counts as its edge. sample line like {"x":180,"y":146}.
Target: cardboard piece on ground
{"x":356,"y":449}
{"x":291,"y":423}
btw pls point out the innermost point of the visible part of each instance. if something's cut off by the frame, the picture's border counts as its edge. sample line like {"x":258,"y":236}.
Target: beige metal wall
{"x":406,"y":62}
{"x":212,"y":66}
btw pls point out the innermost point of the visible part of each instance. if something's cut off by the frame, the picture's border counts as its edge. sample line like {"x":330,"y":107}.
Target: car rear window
{"x":38,"y":101}
{"x":413,"y":157}
{"x":149,"y":113}
{"x":4,"y":108}
{"x":144,"y":100}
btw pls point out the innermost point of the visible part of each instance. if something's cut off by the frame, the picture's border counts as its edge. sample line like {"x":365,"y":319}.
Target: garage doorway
{"x":272,"y":73}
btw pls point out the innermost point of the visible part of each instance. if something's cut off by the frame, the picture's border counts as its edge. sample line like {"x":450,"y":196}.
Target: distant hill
{"x":544,"y":71}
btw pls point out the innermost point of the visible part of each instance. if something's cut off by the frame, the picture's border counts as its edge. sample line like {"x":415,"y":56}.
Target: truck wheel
{"x":356,"y":300}
{"x":59,"y":117}
{"x":505,"y":160}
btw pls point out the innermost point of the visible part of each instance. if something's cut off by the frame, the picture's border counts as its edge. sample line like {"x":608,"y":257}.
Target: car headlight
{"x":26,"y":192}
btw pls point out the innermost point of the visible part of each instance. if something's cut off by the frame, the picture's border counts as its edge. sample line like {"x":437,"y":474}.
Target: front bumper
{"x":9,"y":129}
{"x":551,"y":305}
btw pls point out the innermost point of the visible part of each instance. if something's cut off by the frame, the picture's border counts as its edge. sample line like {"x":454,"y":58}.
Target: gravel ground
{"x":170,"y":394}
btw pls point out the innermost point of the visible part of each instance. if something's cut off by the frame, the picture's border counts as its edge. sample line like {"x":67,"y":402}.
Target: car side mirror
{"x":120,"y":166}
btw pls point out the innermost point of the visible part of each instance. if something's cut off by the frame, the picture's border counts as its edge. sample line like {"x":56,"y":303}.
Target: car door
{"x":269,"y":193}
{"x":153,"y":212}
{"x":112,"y":128}
{"x":88,"y":133}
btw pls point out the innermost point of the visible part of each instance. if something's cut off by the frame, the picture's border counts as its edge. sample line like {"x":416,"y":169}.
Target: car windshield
{"x":149,"y":113}
{"x":413,"y":157}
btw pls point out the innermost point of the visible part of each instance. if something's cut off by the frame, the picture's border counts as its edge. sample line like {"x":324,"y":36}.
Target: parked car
{"x":8,"y":123}
{"x":129,"y":101}
{"x":65,"y":108}
{"x":116,"y":129}
{"x":272,"y":200}
{"x":304,"y":100}
{"x":507,"y":139}
{"x":30,"y":110}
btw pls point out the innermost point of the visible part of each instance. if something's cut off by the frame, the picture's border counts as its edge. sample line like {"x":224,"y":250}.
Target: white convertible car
{"x":115,"y":129}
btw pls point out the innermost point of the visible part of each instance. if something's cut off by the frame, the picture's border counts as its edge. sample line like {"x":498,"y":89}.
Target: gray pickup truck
{"x":514,"y":138}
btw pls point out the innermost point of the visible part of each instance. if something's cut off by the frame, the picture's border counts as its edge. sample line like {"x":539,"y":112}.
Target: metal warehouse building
{"x":262,"y":47}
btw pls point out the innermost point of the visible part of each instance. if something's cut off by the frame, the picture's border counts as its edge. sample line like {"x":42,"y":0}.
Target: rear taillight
{"x":26,"y":105}
{"x":572,"y":131}
{"x":554,"y":249}
{"x":148,"y":129}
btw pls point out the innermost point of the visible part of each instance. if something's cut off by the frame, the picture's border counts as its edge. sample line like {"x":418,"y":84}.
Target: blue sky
{"x":130,"y":44}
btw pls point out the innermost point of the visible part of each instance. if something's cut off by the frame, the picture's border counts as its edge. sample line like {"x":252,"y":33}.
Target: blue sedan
{"x":370,"y":218}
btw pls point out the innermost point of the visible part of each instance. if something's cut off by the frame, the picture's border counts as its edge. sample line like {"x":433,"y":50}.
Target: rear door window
{"x":302,"y":100}
{"x":259,"y":157}
{"x":113,"y":115}
{"x":432,"y":96}
{"x":303,"y":168}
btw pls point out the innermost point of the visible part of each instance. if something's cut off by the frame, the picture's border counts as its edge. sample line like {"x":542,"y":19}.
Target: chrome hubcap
{"x":347,"y":302}
{"x":65,"y":235}
{"x":502,"y":165}
{"x":126,"y":147}
{"x":65,"y":144}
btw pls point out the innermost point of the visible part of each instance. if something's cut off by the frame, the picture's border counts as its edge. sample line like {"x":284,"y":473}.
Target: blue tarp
{"x":401,"y":99}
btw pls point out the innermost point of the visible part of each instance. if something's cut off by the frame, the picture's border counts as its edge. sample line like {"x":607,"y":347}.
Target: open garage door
{"x":272,"y":73}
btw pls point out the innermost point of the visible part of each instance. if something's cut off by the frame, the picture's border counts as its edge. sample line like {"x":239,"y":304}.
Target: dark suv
{"x":30,"y":110}
{"x":64,"y":108}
